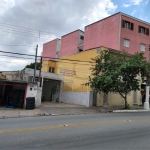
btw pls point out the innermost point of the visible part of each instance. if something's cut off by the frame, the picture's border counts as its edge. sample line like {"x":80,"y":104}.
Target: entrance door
{"x":55,"y":93}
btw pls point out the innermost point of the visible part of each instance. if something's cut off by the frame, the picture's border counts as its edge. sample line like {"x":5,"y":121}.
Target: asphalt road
{"x":111,"y":131}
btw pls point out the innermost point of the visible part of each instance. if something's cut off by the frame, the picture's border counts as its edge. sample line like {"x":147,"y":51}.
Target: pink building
{"x":72,"y":43}
{"x":51,"y":50}
{"x":119,"y":31}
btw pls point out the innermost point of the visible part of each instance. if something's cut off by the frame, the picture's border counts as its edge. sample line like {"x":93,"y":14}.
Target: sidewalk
{"x":69,"y":109}
{"x":49,"y":108}
{"x":132,"y":109}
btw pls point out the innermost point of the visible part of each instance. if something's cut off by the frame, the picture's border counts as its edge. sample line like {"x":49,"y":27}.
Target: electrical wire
{"x":18,"y":45}
{"x":9,"y":62}
{"x":27,"y":28}
{"x":26,"y":35}
{"x":44,"y":57}
{"x":16,"y":57}
{"x":16,"y":53}
{"x":39,"y":34}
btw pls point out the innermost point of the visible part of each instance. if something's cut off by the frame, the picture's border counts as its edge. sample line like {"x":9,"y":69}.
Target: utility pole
{"x":35,"y":64}
{"x":39,"y":80}
{"x":146,"y":103}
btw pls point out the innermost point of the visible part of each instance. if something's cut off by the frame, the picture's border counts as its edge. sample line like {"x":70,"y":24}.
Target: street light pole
{"x":146,"y":103}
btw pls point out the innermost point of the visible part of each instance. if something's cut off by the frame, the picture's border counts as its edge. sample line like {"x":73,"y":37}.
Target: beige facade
{"x":115,"y":99}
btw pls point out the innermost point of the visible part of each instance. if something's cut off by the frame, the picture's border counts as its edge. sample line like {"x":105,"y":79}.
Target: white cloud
{"x":132,"y":2}
{"x":126,"y":5}
{"x":57,"y":16}
{"x":135,"y":2}
{"x":133,"y":12}
{"x":5,"y":5}
{"x":101,"y":10}
{"x":8,"y":63}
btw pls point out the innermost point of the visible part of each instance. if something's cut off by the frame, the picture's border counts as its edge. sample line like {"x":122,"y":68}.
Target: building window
{"x":126,"y":43}
{"x":142,"y":47}
{"x":51,"y":69}
{"x":143,"y":30}
{"x":80,"y":49}
{"x":81,"y":37}
{"x":127,"y":24}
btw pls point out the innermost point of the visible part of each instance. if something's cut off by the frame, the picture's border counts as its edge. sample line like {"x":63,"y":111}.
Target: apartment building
{"x":51,"y":50}
{"x":72,"y":43}
{"x":119,"y":31}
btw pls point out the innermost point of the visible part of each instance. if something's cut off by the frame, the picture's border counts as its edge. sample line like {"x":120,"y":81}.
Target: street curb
{"x":141,"y":110}
{"x":35,"y":115}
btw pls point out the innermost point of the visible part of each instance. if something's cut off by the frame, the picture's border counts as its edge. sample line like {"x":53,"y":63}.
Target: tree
{"x":32,"y":65}
{"x":118,"y":73}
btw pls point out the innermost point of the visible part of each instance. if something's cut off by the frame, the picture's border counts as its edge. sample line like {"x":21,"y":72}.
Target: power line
{"x":28,"y":28}
{"x":66,"y":59}
{"x":26,"y":35}
{"x":43,"y":64}
{"x":17,"y":45}
{"x":36,"y":33}
{"x":16,"y":53}
{"x":9,"y":62}
{"x":44,"y":57}
{"x":16,"y":57}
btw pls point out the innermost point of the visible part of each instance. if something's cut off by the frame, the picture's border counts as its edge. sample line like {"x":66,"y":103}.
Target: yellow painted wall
{"x":114,"y":99}
{"x":47,"y":64}
{"x":76,"y":73}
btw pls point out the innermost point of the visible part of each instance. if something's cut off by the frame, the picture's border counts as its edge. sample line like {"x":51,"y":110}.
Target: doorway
{"x":50,"y":90}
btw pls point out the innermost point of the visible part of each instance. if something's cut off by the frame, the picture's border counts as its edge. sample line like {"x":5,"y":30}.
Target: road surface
{"x":110,"y":131}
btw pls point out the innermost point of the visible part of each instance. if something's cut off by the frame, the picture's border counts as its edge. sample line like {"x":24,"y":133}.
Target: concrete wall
{"x":79,"y":98}
{"x":32,"y":90}
{"x":134,"y":36}
{"x":58,"y":48}
{"x":103,"y":33}
{"x":100,"y":99}
{"x":81,"y":41}
{"x":39,"y":96}
{"x":13,"y":75}
{"x":2,"y":76}
{"x":48,"y":75}
{"x":69,"y":44}
{"x":114,"y":99}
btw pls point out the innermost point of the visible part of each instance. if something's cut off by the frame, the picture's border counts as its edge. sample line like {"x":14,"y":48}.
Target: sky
{"x":27,"y":23}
